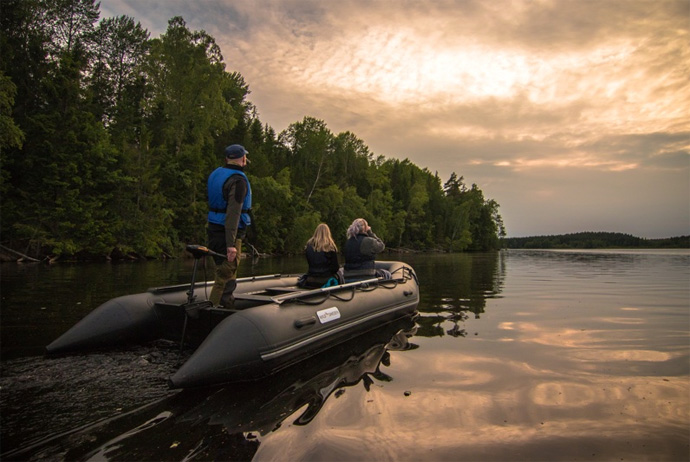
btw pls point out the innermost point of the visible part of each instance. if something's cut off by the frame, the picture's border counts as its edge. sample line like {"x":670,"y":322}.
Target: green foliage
{"x":115,"y":78}
{"x":300,"y":231}
{"x":10,"y":134}
{"x":273,"y":211}
{"x":594,"y":240}
{"x":108,"y":137}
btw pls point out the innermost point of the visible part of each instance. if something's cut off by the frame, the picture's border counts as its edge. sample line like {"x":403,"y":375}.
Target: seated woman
{"x":322,"y":257}
{"x":361,"y":247}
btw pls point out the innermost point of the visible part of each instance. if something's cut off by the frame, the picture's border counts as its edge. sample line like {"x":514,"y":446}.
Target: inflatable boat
{"x":273,"y":324}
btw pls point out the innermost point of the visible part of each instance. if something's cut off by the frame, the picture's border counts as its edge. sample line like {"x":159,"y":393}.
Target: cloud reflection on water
{"x":491,"y":418}
{"x":570,"y":364}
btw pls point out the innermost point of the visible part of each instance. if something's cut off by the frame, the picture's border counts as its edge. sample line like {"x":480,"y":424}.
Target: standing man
{"x":229,"y":199}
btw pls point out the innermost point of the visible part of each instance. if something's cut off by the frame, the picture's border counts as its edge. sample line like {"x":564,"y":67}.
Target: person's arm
{"x":372,"y":245}
{"x":236,"y":190}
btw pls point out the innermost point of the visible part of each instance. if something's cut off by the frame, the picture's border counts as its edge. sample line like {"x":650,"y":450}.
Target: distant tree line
{"x":595,"y":240}
{"x":107,"y":137}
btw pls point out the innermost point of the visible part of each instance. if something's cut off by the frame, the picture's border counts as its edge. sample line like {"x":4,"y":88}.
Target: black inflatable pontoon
{"x":274,"y":323}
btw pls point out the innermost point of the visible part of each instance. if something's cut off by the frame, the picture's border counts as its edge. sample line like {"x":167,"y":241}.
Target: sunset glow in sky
{"x":574,"y":115}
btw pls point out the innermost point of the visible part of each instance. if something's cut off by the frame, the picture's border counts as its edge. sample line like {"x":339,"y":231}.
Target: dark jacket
{"x":360,"y":252}
{"x":321,"y":263}
{"x":322,"y":267}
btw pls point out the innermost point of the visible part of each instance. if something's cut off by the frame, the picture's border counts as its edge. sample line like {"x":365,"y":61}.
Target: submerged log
{"x":21,"y":256}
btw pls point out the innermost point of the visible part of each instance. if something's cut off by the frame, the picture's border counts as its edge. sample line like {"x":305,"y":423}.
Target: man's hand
{"x":232,"y":253}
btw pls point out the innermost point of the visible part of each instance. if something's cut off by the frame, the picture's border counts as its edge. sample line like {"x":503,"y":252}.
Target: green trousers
{"x":226,"y":280}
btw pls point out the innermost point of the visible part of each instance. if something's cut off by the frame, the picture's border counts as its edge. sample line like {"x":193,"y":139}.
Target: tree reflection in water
{"x":456,"y":287}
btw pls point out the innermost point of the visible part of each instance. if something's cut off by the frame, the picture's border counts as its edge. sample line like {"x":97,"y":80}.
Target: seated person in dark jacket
{"x":361,"y":247}
{"x":322,"y":257}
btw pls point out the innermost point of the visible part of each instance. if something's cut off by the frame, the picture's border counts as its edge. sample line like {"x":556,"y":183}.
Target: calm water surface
{"x":517,"y":355}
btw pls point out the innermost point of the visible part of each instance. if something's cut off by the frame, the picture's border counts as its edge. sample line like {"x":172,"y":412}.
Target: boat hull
{"x":274,"y":323}
{"x":248,"y":346}
{"x":158,"y":313}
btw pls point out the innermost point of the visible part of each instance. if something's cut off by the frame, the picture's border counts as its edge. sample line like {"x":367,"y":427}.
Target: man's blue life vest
{"x":218,"y":205}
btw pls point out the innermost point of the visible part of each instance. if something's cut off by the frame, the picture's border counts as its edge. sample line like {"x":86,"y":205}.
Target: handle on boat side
{"x":302,"y":322}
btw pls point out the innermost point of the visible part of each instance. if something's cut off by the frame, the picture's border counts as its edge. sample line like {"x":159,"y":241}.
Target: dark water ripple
{"x":131,"y":416}
{"x":42,"y":398}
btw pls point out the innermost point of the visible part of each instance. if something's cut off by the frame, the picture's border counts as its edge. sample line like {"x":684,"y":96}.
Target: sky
{"x":573,"y":115}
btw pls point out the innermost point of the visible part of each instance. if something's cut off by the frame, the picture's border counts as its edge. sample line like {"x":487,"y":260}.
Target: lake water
{"x":516,"y":355}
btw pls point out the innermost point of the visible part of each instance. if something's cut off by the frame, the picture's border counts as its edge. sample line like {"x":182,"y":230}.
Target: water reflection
{"x":227,"y":423}
{"x":524,"y":355}
{"x":457,"y":287}
{"x":40,"y":302}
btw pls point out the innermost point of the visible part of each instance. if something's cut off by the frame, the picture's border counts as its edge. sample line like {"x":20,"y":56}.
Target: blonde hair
{"x":322,"y":241}
{"x":358,"y":226}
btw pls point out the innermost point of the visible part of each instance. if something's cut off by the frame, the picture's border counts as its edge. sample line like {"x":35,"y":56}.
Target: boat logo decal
{"x":328,"y":315}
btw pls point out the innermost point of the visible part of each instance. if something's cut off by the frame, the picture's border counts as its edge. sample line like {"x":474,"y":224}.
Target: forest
{"x":107,"y":137}
{"x":595,"y":240}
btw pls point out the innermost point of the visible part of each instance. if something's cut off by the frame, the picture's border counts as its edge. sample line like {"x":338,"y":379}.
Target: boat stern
{"x":119,"y":321}
{"x":230,"y":352}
